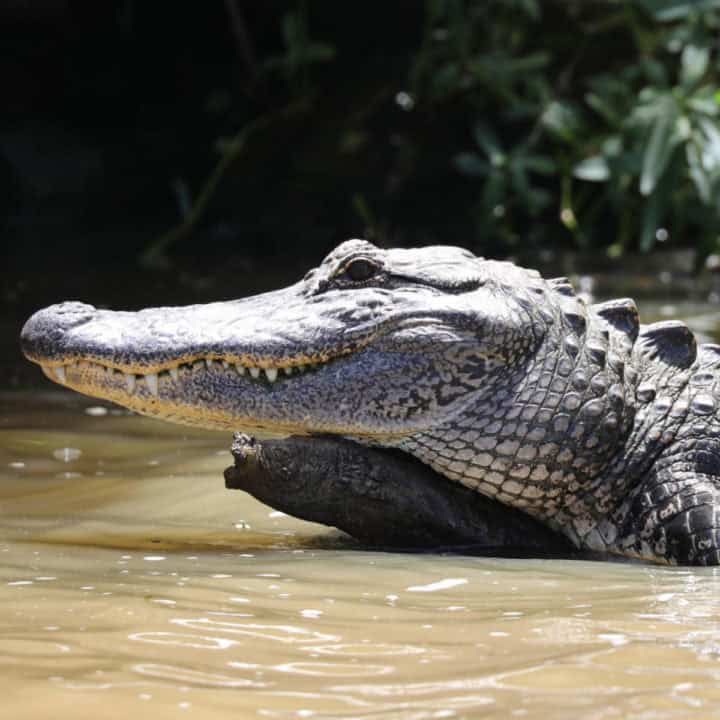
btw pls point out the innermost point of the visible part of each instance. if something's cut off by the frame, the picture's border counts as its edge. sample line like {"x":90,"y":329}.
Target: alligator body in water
{"x":603,"y":430}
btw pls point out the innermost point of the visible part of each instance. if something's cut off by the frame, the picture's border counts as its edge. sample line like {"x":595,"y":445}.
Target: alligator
{"x":604,"y":431}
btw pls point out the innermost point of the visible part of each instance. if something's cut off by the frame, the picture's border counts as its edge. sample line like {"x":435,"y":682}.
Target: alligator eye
{"x":360,"y":269}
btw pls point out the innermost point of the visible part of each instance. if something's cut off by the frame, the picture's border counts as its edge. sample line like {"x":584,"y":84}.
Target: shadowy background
{"x":154,"y":153}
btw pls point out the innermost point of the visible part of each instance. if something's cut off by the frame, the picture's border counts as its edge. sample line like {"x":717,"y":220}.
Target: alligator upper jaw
{"x":249,"y":363}
{"x":275,"y":330}
{"x":270,"y":331}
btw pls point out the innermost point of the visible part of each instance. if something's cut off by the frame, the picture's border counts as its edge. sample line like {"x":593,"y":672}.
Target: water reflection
{"x":178,"y":674}
{"x":150,"y":589}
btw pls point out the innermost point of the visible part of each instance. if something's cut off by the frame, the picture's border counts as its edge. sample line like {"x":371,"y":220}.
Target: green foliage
{"x":499,"y":124}
{"x":602,"y":118}
{"x":301,"y":53}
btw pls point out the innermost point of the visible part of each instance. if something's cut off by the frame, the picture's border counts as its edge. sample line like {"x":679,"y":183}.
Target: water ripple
{"x":332,"y":670}
{"x":188,"y":641}
{"x":445,"y":584}
{"x":368,"y":649}
{"x":276,"y":633}
{"x":178,"y":674}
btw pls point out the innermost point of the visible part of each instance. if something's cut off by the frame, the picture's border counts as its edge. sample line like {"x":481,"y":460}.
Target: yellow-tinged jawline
{"x":90,"y":377}
{"x":247,"y":362}
{"x":143,"y":400}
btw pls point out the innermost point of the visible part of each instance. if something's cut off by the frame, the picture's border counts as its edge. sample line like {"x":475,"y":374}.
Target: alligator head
{"x":372,"y":344}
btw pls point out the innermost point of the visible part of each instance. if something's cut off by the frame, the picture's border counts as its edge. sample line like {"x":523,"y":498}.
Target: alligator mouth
{"x":78,"y":373}
{"x":267,"y":386}
{"x":197,"y":392}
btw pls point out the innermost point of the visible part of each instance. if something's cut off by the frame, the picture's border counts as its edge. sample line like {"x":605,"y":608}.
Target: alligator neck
{"x":540,"y":439}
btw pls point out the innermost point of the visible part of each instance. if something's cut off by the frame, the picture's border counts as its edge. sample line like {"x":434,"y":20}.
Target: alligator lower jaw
{"x":160,"y":393}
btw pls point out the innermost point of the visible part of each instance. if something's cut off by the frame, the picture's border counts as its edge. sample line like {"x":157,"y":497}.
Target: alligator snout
{"x":44,"y":333}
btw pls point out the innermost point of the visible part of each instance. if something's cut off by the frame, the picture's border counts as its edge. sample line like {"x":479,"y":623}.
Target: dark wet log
{"x":381,"y":497}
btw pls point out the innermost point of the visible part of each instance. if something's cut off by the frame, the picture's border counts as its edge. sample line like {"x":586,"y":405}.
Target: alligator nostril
{"x":44,"y":331}
{"x":70,"y":313}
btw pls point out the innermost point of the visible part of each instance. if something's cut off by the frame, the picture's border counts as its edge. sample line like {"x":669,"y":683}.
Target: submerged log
{"x":381,"y":497}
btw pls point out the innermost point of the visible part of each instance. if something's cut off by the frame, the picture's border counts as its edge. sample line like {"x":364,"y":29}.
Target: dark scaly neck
{"x":539,"y":436}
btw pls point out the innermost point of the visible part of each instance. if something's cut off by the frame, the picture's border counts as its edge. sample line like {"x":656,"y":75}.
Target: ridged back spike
{"x":670,"y":342}
{"x":574,"y":312}
{"x":622,"y":314}
{"x":709,"y":356}
{"x":562,"y":286}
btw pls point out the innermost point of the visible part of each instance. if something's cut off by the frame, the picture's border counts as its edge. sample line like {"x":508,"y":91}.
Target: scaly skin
{"x":602,"y":430}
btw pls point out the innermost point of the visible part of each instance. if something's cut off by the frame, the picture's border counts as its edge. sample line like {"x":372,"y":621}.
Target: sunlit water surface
{"x":132,"y":582}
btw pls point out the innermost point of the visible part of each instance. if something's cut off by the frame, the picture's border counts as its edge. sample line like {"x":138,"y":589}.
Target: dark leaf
{"x":695,"y":59}
{"x":705,"y":101}
{"x":659,"y":149}
{"x":540,"y":164}
{"x":669,"y":10}
{"x":562,"y":119}
{"x":652,"y":216}
{"x":488,"y":142}
{"x":592,"y":169}
{"x":531,"y":8}
{"x":471,"y":164}
{"x":700,"y":178}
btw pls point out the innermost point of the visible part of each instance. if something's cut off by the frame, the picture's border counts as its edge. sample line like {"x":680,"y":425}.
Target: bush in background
{"x":602,"y":119}
{"x":273,"y":130}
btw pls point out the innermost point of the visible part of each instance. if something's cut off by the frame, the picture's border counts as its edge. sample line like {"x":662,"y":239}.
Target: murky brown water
{"x":132,"y":582}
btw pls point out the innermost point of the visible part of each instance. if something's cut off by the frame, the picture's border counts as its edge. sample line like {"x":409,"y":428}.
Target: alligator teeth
{"x":152,"y":379}
{"x":152,"y":382}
